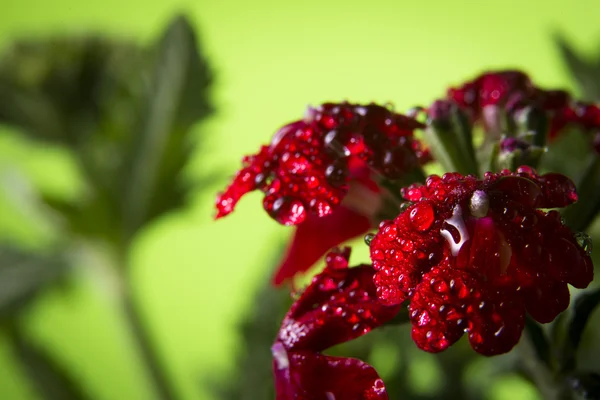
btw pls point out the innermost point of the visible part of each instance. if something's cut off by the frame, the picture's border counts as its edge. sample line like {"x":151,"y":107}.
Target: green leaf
{"x":50,"y":379}
{"x":587,"y":384}
{"x":24,"y":274}
{"x":162,"y":145}
{"x":539,"y":341}
{"x":450,"y":139}
{"x":569,"y":328}
{"x":585,"y":72}
{"x":55,"y":89}
{"x":253,"y":376}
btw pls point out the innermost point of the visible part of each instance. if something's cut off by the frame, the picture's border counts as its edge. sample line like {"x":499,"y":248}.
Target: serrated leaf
{"x":55,"y":89}
{"x":50,"y":379}
{"x":585,"y":72}
{"x":24,"y":274}
{"x":162,"y":146}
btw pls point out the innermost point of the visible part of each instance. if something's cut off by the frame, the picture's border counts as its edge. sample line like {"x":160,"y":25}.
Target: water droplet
{"x":377,"y":255}
{"x":404,"y":206}
{"x":584,"y":241}
{"x":457,"y":222}
{"x":390,"y":232}
{"x":480,"y":204}
{"x":499,"y":331}
{"x":369,"y":238}
{"x":288,"y":212}
{"x":422,"y":216}
{"x":320,"y":207}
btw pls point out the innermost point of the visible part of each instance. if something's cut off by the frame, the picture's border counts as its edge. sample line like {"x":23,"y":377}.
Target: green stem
{"x":543,"y":377}
{"x":49,"y":379}
{"x":146,"y":349}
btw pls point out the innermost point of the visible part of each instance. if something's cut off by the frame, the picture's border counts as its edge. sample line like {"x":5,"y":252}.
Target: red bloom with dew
{"x":312,"y":165}
{"x":339,"y":305}
{"x":473,"y":256}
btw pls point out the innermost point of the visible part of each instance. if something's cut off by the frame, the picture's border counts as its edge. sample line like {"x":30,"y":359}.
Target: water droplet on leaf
{"x":584,"y":241}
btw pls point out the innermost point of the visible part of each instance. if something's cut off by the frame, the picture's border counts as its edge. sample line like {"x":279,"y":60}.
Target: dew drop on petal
{"x":404,"y":206}
{"x":457,"y":222}
{"x":584,"y":241}
{"x":288,"y":212}
{"x":480,"y":204}
{"x":422,"y":216}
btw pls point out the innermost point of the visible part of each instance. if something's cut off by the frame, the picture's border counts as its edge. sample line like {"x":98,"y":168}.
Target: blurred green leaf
{"x":253,"y":376}
{"x":538,"y":340}
{"x":587,"y":384}
{"x":574,"y":324}
{"x":24,"y":274}
{"x":162,"y":146}
{"x":56,"y":89}
{"x":585,"y":72}
{"x":50,"y":379}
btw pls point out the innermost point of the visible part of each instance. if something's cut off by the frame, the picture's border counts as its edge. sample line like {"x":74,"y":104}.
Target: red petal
{"x":305,"y":375}
{"x":339,"y":305}
{"x":317,"y":235}
{"x":547,"y":299}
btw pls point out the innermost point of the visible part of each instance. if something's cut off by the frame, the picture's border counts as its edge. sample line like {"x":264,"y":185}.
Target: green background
{"x":272,"y":58}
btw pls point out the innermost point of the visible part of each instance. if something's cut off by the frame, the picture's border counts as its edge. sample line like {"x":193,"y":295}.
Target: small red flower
{"x":474,"y":255}
{"x":306,"y":166}
{"x":339,"y":305}
{"x":493,"y":93}
{"x":310,"y":166}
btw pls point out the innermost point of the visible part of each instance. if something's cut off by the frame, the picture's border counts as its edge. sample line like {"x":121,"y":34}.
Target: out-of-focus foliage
{"x":124,"y":113}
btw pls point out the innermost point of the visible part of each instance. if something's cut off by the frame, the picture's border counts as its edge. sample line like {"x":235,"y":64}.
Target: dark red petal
{"x":567,"y":261}
{"x":496,"y":324}
{"x":309,"y":164}
{"x":315,"y":236}
{"x":489,"y":237}
{"x":339,"y":305}
{"x":547,"y":299}
{"x":438,"y":309}
{"x":559,"y":191}
{"x":306,"y":375}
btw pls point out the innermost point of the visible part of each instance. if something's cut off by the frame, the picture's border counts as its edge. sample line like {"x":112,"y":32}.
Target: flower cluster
{"x":466,"y":254}
{"x":339,"y":305}
{"x":312,"y":164}
{"x":494,"y":95}
{"x":474,"y":255}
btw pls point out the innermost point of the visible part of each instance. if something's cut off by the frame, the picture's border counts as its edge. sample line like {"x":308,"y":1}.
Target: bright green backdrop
{"x":272,"y":58}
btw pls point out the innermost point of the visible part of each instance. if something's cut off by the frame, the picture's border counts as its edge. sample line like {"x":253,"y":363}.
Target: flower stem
{"x":543,"y":377}
{"x":153,"y":363}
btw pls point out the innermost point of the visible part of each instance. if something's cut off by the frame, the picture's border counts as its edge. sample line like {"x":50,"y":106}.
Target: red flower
{"x":309,"y":167}
{"x":493,"y":93}
{"x":474,"y":255}
{"x":339,"y":305}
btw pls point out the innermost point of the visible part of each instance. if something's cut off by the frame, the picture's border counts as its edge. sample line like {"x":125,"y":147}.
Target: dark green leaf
{"x":450,"y":139}
{"x":569,"y":329}
{"x":538,"y":340}
{"x":55,"y":89}
{"x":253,"y":376}
{"x":50,"y":379}
{"x":24,"y":274}
{"x":162,"y":146}
{"x":584,"y":305}
{"x":585,"y":72}
{"x":587,"y":384}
